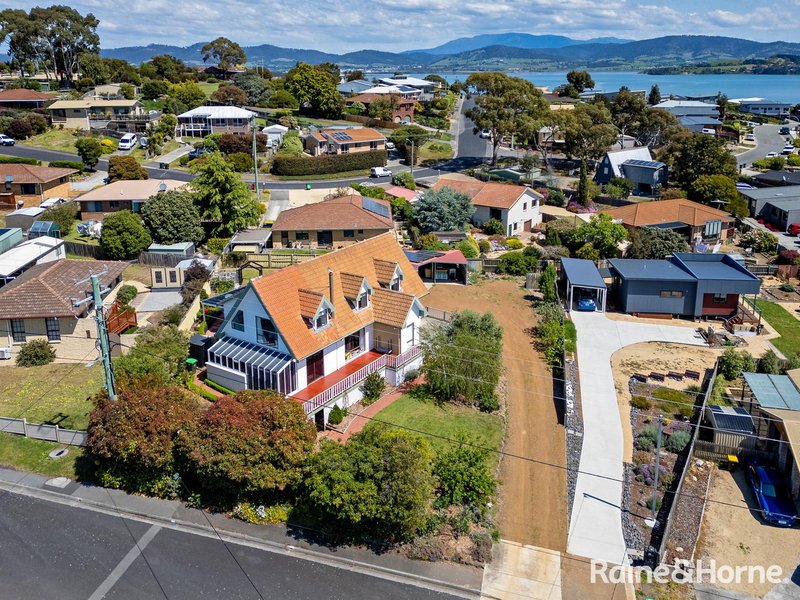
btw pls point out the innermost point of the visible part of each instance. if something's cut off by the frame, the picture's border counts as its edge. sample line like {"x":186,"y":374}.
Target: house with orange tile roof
{"x":332,"y":223}
{"x":343,"y":141}
{"x":517,"y":207}
{"x":315,"y":330}
{"x":694,"y":221}
{"x":30,"y":185}
{"x":24,"y":98}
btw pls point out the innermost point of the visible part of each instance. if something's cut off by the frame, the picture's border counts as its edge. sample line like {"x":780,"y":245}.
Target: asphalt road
{"x":768,"y":139}
{"x":50,"y":550}
{"x":471,"y":148}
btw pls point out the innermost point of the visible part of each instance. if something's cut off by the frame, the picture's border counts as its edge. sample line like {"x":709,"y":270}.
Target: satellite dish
{"x":162,"y":187}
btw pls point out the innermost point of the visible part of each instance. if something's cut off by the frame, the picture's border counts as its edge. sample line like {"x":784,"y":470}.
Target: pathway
{"x":596,"y":521}
{"x":170,"y":156}
{"x":361,"y":419}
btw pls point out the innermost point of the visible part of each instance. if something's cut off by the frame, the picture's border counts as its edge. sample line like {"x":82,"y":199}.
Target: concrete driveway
{"x":595,"y":524}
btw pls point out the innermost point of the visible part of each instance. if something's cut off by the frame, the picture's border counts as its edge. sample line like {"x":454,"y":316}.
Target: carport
{"x":583,"y":274}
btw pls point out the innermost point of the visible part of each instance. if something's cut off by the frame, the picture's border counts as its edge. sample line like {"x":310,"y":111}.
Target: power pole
{"x":412,"y":157}
{"x":653,"y":507}
{"x":255,"y":161}
{"x":102,"y":332}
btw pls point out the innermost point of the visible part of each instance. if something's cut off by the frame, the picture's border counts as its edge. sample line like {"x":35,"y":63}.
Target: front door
{"x":319,"y":419}
{"x":315,"y":367}
{"x":324,"y":238}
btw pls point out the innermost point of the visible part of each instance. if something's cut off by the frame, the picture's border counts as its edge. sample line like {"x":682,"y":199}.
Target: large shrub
{"x":127,"y":293}
{"x":171,"y":217}
{"x":515,"y":263}
{"x":334,"y":163}
{"x":379,"y":485}
{"x":405,"y":179}
{"x":35,"y":353}
{"x":241,"y":162}
{"x":443,"y":209}
{"x":64,"y":215}
{"x":493,"y":227}
{"x":372,"y":388}
{"x":159,"y":353}
{"x":123,"y":235}
{"x":68,"y":164}
{"x":133,"y":438}
{"x":252,"y":443}
{"x":125,"y":167}
{"x":464,"y":477}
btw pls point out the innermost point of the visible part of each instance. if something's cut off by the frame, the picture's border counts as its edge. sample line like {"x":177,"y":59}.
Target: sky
{"x":340,"y":26}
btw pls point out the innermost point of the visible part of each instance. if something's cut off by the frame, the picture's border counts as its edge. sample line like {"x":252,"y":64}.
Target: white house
{"x":315,"y":330}
{"x":274,"y":134}
{"x":204,"y":120}
{"x":516,"y":206}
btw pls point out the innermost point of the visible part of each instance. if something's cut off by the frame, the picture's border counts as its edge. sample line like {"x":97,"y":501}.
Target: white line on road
{"x":125,"y":563}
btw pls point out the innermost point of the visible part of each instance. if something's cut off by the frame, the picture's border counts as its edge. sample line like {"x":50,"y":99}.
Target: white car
{"x":787,"y":150}
{"x":390,"y":145}
{"x":380,"y":172}
{"x":485,"y":134}
{"x":6,"y":141}
{"x":128,"y":142}
{"x":750,"y":137}
{"x":772,"y":154}
{"x":51,"y":202}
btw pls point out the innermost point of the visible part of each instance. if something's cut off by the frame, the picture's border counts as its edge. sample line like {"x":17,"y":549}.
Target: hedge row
{"x":18,"y":160}
{"x":68,"y":164}
{"x":333,"y":163}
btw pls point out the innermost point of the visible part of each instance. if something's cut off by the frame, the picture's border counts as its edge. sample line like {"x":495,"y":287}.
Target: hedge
{"x":332,"y":163}
{"x":18,"y":160}
{"x":68,"y":164}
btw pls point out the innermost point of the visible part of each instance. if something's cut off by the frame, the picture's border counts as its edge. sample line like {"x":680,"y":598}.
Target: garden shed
{"x":583,"y":275}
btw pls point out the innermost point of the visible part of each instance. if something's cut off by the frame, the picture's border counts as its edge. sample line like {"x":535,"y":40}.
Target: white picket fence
{"x":38,"y":431}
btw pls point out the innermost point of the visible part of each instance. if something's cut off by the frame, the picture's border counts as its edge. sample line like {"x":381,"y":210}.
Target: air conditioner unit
{"x":5,"y":353}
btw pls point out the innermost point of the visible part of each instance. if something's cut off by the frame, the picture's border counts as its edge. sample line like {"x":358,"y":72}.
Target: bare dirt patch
{"x":733,"y":535}
{"x":533,"y":496}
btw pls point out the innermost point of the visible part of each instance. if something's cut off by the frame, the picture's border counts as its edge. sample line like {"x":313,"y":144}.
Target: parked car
{"x":793,"y":229}
{"x":197,"y":153}
{"x":773,"y":499}
{"x":390,"y":145}
{"x":380,"y":172}
{"x":143,"y":142}
{"x":587,"y":304}
{"x":709,"y":131}
{"x":784,"y":131}
{"x":6,"y":141}
{"x":771,"y":154}
{"x":752,"y":124}
{"x":750,"y":137}
{"x":128,"y":142}
{"x":485,"y":134}
{"x":51,"y":202}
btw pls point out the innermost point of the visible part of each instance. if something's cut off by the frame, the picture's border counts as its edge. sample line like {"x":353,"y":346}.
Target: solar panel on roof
{"x":418,"y":256}
{"x":341,"y":136}
{"x":375,"y":207}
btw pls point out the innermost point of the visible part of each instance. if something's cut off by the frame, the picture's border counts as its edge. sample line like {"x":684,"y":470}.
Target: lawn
{"x":435,"y":151}
{"x":209,"y":88}
{"x":444,"y":420}
{"x":785,"y":324}
{"x":55,"y":394}
{"x":74,"y":236}
{"x":137,"y":272}
{"x":23,"y":454}
{"x":53,"y":139}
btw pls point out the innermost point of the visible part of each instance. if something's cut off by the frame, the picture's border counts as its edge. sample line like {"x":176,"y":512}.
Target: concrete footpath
{"x":447,"y":578}
{"x":596,"y":521}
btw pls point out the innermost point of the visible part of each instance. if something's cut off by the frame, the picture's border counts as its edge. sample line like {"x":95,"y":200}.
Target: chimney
{"x":330,"y":285}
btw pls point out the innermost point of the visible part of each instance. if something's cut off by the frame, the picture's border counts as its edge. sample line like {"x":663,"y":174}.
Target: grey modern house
{"x":779,"y":206}
{"x":637,"y":166}
{"x":686,"y":285}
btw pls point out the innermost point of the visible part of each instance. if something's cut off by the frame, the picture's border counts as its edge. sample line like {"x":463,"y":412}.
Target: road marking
{"x":125,"y":563}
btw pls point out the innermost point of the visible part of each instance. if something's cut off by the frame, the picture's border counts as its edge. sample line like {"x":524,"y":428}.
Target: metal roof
{"x":256,"y":355}
{"x":732,"y":418}
{"x":785,"y":192}
{"x":692,"y":120}
{"x":713,"y":266}
{"x":786,"y":204}
{"x":650,"y":164}
{"x":217,"y":112}
{"x":582,"y":273}
{"x":773,"y":391}
{"x":636,"y":268}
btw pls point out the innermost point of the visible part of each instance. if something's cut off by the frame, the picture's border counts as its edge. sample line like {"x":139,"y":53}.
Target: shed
{"x":184,"y":248}
{"x":583,"y":274}
{"x":44,"y":228}
{"x":252,"y":241}
{"x":733,"y":426}
{"x":9,"y":237}
{"x":24,"y":217}
{"x":439,"y":267}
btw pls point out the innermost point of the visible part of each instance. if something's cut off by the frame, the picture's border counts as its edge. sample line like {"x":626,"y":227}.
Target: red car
{"x":794,"y":229}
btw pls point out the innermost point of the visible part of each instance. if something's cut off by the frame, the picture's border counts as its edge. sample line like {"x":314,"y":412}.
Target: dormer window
{"x":363,"y":300}
{"x":322,"y":319}
{"x":395,"y":283}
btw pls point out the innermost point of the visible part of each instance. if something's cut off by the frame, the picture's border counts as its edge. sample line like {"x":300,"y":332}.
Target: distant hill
{"x":541,"y":53}
{"x":513,"y":40}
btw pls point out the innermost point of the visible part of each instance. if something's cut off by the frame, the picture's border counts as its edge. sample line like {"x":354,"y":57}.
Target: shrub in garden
{"x":337,"y":415}
{"x":158,"y":352}
{"x":646,"y":472}
{"x":464,"y":477}
{"x":493,"y":227}
{"x":127,"y":293}
{"x":647,"y":439}
{"x":125,"y":167}
{"x":641,"y":403}
{"x":35,"y":353}
{"x":68,"y":164}
{"x":217,"y":245}
{"x":678,"y":441}
{"x":372,"y":388}
{"x":489,"y":404}
{"x":513,"y":243}
{"x":484,"y":246}
{"x":769,"y":363}
{"x":333,"y":163}
{"x":220,"y":285}
{"x":64,"y":215}
{"x":515,"y":263}
{"x":405,"y":179}
{"x":261,"y":514}
{"x":468,"y":249}
{"x":240,"y":162}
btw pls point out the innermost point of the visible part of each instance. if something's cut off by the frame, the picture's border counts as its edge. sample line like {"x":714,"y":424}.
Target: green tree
{"x":656,"y":127}
{"x":648,"y":242}
{"x":731,"y":364}
{"x":283,"y":99}
{"x":153,"y":89}
{"x":355,"y":75}
{"x":588,"y":134}
{"x":125,"y":167}
{"x":127,"y":91}
{"x":257,"y":89}
{"x":547,"y":283}
{"x":377,"y":485}
{"x":230,"y":95}
{"x":172,"y":217}
{"x":577,"y":82}
{"x":227,"y":53}
{"x":654,"y":97}
{"x":164,"y":66}
{"x":133,"y":439}
{"x":464,"y":477}
{"x":89,"y":149}
{"x":314,"y":90}
{"x":222,"y":197}
{"x":64,"y":215}
{"x":188,"y":94}
{"x":692,"y":155}
{"x":443,"y":209}
{"x":504,"y":105}
{"x":331,"y":70}
{"x":603,"y":233}
{"x":463,"y":358}
{"x":627,"y":110}
{"x":251,"y":443}
{"x":123,"y":236}
{"x":158,"y":354}
{"x":709,"y":189}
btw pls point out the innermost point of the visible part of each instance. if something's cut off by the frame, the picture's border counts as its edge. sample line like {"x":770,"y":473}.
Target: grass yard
{"x":435,"y":151}
{"x":55,"y":394}
{"x":785,"y":324}
{"x":446,"y":420}
{"x":74,"y":236}
{"x":209,"y":88}
{"x":137,"y":272}
{"x":54,"y":139}
{"x":23,"y":454}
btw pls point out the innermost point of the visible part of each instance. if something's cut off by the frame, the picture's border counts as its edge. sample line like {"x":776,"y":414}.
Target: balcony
{"x":327,"y":388}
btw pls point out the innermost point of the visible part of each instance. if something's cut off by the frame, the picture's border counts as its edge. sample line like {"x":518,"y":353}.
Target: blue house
{"x":637,"y":166}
